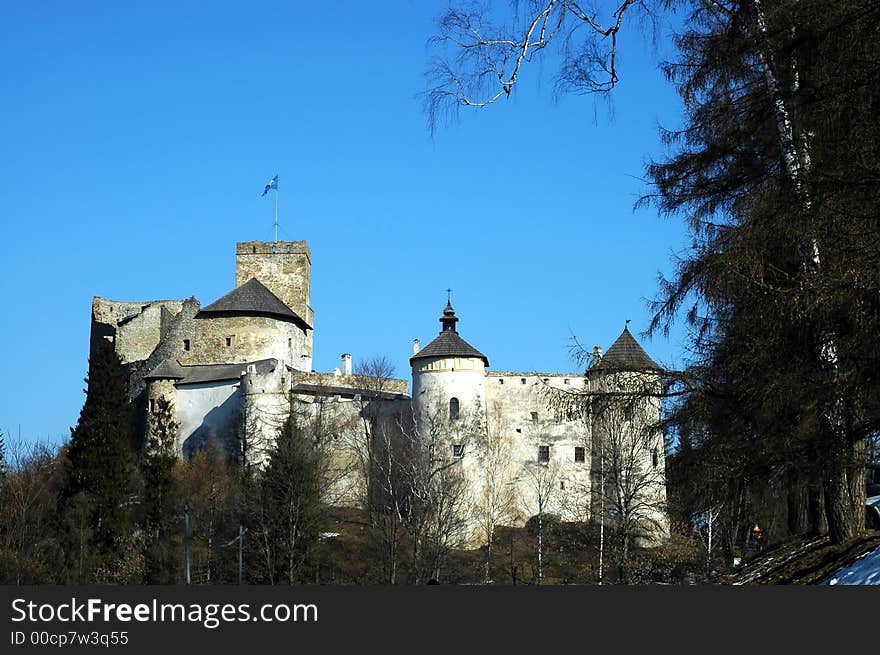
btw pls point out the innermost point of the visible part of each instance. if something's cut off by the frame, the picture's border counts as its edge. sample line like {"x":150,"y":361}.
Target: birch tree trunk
{"x":841,"y":478}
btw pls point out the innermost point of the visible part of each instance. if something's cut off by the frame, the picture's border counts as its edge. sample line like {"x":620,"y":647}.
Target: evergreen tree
{"x":291,"y":498}
{"x":99,"y":456}
{"x":160,"y":516}
{"x":776,"y":171}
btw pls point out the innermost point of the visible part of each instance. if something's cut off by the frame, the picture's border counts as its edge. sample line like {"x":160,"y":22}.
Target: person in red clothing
{"x":757,"y":538}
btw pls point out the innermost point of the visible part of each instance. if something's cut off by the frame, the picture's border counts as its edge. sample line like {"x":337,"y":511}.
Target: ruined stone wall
{"x":283,"y":267}
{"x":134,"y":327}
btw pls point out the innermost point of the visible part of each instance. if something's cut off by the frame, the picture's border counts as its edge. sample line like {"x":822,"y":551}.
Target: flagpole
{"x":276,"y":214}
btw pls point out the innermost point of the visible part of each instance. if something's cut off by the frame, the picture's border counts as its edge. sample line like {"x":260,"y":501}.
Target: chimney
{"x":416,"y":346}
{"x":346,"y":363}
{"x":305,"y":363}
{"x":597,"y":356}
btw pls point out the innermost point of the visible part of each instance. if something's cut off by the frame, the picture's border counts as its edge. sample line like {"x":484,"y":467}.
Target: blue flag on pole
{"x":271,"y":184}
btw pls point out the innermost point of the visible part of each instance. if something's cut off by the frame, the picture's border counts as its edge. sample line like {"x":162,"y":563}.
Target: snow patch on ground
{"x":864,"y":571}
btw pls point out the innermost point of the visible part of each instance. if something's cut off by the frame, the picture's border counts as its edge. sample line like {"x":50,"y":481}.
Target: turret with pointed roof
{"x":625,"y":354}
{"x":449,"y":343}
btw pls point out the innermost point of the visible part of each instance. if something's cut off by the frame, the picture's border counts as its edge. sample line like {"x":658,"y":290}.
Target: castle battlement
{"x":273,"y":248}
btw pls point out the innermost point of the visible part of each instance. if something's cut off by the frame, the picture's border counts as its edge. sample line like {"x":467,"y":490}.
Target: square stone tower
{"x":283,"y":267}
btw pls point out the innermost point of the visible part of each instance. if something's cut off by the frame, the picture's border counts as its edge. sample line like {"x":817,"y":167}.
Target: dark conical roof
{"x":449,"y":343}
{"x":252,"y":298}
{"x":626,"y":354}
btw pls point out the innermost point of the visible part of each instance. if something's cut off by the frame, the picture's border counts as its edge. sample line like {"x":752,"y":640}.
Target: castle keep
{"x":241,"y":364}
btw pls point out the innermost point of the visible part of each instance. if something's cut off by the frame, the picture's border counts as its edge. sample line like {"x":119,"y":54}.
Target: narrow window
{"x":534,"y":417}
{"x":255,"y":250}
{"x":186,"y":344}
{"x":579,"y":454}
{"x":228,"y":341}
{"x":458,"y":450}
{"x":628,"y":413}
{"x":655,"y":457}
{"x":290,"y":343}
{"x":453,"y":409}
{"x":562,"y":485}
{"x":543,"y":453}
{"x":152,"y":405}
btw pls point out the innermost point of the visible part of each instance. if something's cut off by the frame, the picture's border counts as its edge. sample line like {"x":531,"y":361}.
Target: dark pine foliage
{"x":99,"y":456}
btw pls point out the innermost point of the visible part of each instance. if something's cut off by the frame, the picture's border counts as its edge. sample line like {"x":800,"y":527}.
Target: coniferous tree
{"x":291,"y":498}
{"x":99,"y":457}
{"x":160,"y":517}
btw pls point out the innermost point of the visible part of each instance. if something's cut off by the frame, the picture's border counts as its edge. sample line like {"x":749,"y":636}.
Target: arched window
{"x":453,"y":409}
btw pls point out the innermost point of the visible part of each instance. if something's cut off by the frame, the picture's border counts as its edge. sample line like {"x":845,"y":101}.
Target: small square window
{"x":522,"y":380}
{"x":458,"y":450}
{"x":566,"y":381}
{"x":519,"y":430}
{"x":543,"y":453}
{"x":186,"y":344}
{"x":579,"y":454}
{"x":500,"y":380}
{"x":546,"y":380}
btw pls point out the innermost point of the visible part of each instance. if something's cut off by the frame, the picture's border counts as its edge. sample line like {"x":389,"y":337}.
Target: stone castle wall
{"x":135,"y":328}
{"x":284,"y":267}
{"x":238,"y":339}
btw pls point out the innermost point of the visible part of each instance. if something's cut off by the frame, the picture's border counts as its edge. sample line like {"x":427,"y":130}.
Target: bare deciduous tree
{"x":538,"y":491}
{"x":479,"y":60}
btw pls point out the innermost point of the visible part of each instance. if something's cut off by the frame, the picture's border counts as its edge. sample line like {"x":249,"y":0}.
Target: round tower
{"x":449,"y":378}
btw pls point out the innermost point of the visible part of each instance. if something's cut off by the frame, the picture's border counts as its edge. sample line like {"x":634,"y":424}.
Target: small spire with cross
{"x":449,"y":296}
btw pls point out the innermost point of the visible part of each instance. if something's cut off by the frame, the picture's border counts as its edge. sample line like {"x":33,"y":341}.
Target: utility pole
{"x":186,"y":540}
{"x":240,"y":552}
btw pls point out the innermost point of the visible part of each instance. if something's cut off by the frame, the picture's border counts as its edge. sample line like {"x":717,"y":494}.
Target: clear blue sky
{"x":137,"y":137}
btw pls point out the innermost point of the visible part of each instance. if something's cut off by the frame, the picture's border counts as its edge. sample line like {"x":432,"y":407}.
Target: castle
{"x":242,"y":364}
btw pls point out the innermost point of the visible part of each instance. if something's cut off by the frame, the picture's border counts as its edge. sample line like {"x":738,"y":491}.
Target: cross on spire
{"x":449,"y":296}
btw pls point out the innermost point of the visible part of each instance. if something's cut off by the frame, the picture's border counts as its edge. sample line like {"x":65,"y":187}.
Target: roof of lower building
{"x":168,"y":369}
{"x":252,"y":298}
{"x":200,"y":373}
{"x":627,"y":355}
{"x":449,"y":343}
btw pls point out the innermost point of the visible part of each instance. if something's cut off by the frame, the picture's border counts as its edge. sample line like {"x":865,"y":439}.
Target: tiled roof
{"x":199,"y":373}
{"x":168,"y":369}
{"x":626,"y":354}
{"x":449,"y":344}
{"x":252,"y":298}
